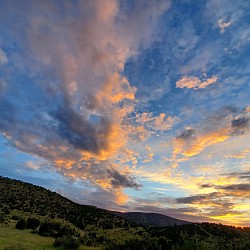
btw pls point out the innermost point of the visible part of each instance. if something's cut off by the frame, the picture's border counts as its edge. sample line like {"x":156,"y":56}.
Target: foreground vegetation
{"x":32,"y":217}
{"x":11,"y":238}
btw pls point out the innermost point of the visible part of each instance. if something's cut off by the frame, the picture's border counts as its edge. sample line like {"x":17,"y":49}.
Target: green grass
{"x":9,"y":236}
{"x":89,"y":248}
{"x":12,"y":237}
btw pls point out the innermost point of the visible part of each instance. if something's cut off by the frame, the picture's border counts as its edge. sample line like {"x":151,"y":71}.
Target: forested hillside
{"x":18,"y":195}
{"x":25,"y":206}
{"x":151,"y":219}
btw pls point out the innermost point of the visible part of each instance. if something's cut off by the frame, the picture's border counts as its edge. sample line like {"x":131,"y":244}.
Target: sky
{"x":130,"y":105}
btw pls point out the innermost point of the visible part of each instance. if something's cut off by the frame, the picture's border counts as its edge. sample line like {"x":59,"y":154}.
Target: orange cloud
{"x":199,"y":143}
{"x":194,"y":82}
{"x":205,"y":141}
{"x":120,"y":197}
{"x":235,"y":219}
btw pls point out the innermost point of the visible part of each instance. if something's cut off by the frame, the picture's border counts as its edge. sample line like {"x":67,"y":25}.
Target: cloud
{"x":223,"y":25}
{"x":237,"y":187}
{"x":156,"y":123}
{"x":240,"y":124}
{"x":186,"y":134}
{"x":232,"y":190}
{"x":122,"y":180}
{"x":216,"y":128}
{"x":32,"y":165}
{"x":82,"y":133}
{"x":3,"y":86}
{"x":74,"y":101}
{"x":3,"y":57}
{"x":211,"y":204}
{"x":191,"y":199}
{"x":239,"y":155}
{"x":191,"y":146}
{"x":193,"y":82}
{"x":240,"y":175}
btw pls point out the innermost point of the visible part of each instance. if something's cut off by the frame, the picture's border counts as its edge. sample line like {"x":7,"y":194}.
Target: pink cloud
{"x":194,"y":82}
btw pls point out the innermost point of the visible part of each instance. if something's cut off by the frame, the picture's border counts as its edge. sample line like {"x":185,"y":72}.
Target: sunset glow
{"x":130,"y":105}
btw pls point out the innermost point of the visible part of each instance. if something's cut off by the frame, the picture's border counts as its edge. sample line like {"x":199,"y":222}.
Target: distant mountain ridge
{"x":151,"y":219}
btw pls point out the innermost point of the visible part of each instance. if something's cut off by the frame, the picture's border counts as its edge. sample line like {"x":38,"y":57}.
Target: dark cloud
{"x":233,"y":187}
{"x":241,"y":175}
{"x":240,"y":125}
{"x":122,"y":180}
{"x":236,"y":187}
{"x":206,"y":185}
{"x":81,"y":133}
{"x":247,"y":176}
{"x":191,"y":199}
{"x":216,"y":203}
{"x":219,"y":117}
{"x":214,"y":197}
{"x":186,"y":134}
{"x":244,"y":175}
{"x":226,"y":111}
{"x":226,"y":121}
{"x":8,"y":114}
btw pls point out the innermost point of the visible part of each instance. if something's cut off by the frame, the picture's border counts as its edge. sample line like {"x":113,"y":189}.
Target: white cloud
{"x":222,"y":25}
{"x":157,"y":123}
{"x":32,"y":165}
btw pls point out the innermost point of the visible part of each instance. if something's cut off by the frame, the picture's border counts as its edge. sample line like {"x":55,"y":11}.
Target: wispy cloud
{"x":193,"y":82}
{"x":3,"y":57}
{"x":223,"y":25}
{"x":157,"y":123}
{"x":219,"y":127}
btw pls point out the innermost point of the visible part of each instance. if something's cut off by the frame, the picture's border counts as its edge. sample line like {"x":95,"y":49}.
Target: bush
{"x":33,"y":223}
{"x":21,"y":224}
{"x":67,"y":242}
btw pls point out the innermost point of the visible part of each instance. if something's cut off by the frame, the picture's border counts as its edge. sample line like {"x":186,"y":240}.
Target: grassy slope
{"x":9,"y":236}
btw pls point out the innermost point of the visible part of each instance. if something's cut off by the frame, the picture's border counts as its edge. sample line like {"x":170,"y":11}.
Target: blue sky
{"x":130,"y":105}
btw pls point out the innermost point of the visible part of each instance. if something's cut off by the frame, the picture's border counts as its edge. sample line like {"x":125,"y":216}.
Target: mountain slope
{"x":103,"y":229}
{"x":25,"y":197}
{"x":151,"y":219}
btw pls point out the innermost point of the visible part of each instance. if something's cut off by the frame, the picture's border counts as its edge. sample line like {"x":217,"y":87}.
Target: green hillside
{"x":28,"y":198}
{"x":32,"y":217}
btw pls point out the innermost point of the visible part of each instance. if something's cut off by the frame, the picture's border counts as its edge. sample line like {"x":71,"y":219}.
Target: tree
{"x":32,"y":223}
{"x":21,"y":224}
{"x":67,"y":242}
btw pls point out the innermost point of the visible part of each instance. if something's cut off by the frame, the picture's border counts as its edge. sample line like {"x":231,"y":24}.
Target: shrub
{"x":67,"y":242}
{"x":21,"y":224}
{"x":33,"y":223}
